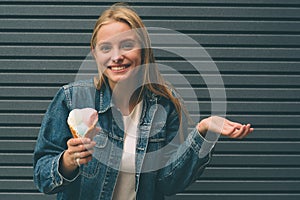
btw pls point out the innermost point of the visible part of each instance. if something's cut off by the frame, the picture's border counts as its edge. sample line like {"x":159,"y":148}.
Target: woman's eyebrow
{"x":129,"y":39}
{"x":104,"y":42}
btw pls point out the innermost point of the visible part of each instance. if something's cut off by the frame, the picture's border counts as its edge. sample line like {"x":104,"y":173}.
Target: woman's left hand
{"x":224,"y":127}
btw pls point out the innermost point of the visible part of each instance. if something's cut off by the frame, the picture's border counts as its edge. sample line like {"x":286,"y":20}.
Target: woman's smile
{"x":119,"y":68}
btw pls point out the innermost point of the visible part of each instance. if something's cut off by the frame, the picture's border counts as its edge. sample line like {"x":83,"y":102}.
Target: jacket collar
{"x":105,"y":98}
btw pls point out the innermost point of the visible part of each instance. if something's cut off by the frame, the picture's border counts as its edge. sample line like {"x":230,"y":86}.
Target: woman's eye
{"x":105,"y":48}
{"x":128,"y":45}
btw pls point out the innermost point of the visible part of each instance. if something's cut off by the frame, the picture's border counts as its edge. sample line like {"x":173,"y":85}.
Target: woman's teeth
{"x":118,"y":68}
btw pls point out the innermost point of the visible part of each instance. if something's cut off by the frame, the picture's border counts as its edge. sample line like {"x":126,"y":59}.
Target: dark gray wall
{"x":254,"y":43}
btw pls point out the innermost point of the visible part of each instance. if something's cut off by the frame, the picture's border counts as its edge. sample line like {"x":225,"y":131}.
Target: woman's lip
{"x":118,"y":68}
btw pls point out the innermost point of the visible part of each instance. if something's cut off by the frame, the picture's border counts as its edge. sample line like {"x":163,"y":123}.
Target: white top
{"x":125,"y":187}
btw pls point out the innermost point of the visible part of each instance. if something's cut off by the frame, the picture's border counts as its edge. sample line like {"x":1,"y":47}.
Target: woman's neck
{"x":125,"y":97}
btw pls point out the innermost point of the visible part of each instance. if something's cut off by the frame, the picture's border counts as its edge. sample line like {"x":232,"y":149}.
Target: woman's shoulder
{"x":165,"y":99}
{"x":79,"y":94}
{"x":79,"y":84}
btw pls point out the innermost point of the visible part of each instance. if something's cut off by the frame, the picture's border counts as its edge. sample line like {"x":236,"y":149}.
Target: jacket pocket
{"x":156,"y":143}
{"x":158,"y":130}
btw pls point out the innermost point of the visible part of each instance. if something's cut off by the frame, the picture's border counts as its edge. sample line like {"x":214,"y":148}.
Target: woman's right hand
{"x":79,"y":152}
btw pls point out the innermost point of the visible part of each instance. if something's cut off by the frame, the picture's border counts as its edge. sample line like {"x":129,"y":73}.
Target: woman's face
{"x":117,"y":51}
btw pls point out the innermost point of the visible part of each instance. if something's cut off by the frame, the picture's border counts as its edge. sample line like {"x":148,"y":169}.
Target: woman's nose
{"x":117,"y":56}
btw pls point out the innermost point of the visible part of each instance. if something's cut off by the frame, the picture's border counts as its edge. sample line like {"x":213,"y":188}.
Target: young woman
{"x":138,"y":151}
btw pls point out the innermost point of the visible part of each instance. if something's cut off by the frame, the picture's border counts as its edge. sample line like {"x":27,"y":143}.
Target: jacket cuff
{"x":57,"y":178}
{"x":200,"y":145}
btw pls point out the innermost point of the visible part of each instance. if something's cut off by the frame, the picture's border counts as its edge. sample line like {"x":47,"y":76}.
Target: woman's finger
{"x":238,"y":132}
{"x":243,"y":132}
{"x":85,"y":147}
{"x":247,"y":131}
{"x":78,"y":141}
{"x":84,"y":160}
{"x":83,"y":154}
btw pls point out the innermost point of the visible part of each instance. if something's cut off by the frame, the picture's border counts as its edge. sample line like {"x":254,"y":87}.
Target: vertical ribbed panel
{"x":254,"y":43}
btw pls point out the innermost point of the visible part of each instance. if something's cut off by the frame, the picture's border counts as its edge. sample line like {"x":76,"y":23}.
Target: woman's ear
{"x":93,"y":52}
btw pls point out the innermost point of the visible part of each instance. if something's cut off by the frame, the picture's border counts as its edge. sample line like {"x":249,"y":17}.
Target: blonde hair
{"x":152,"y":80}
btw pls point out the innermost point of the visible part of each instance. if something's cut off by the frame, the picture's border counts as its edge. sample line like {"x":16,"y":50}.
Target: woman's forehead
{"x":115,"y":32}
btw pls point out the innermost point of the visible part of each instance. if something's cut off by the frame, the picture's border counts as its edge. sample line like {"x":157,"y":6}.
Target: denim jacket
{"x":164,"y":165}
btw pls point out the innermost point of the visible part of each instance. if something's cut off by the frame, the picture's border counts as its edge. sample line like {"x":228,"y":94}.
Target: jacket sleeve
{"x":50,"y":145}
{"x":187,"y":160}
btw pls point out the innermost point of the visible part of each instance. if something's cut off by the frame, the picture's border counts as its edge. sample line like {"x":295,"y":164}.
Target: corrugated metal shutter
{"x":255,"y":44}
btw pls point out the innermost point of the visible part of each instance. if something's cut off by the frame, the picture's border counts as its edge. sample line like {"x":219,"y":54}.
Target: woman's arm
{"x":191,"y":157}
{"x":51,"y":145}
